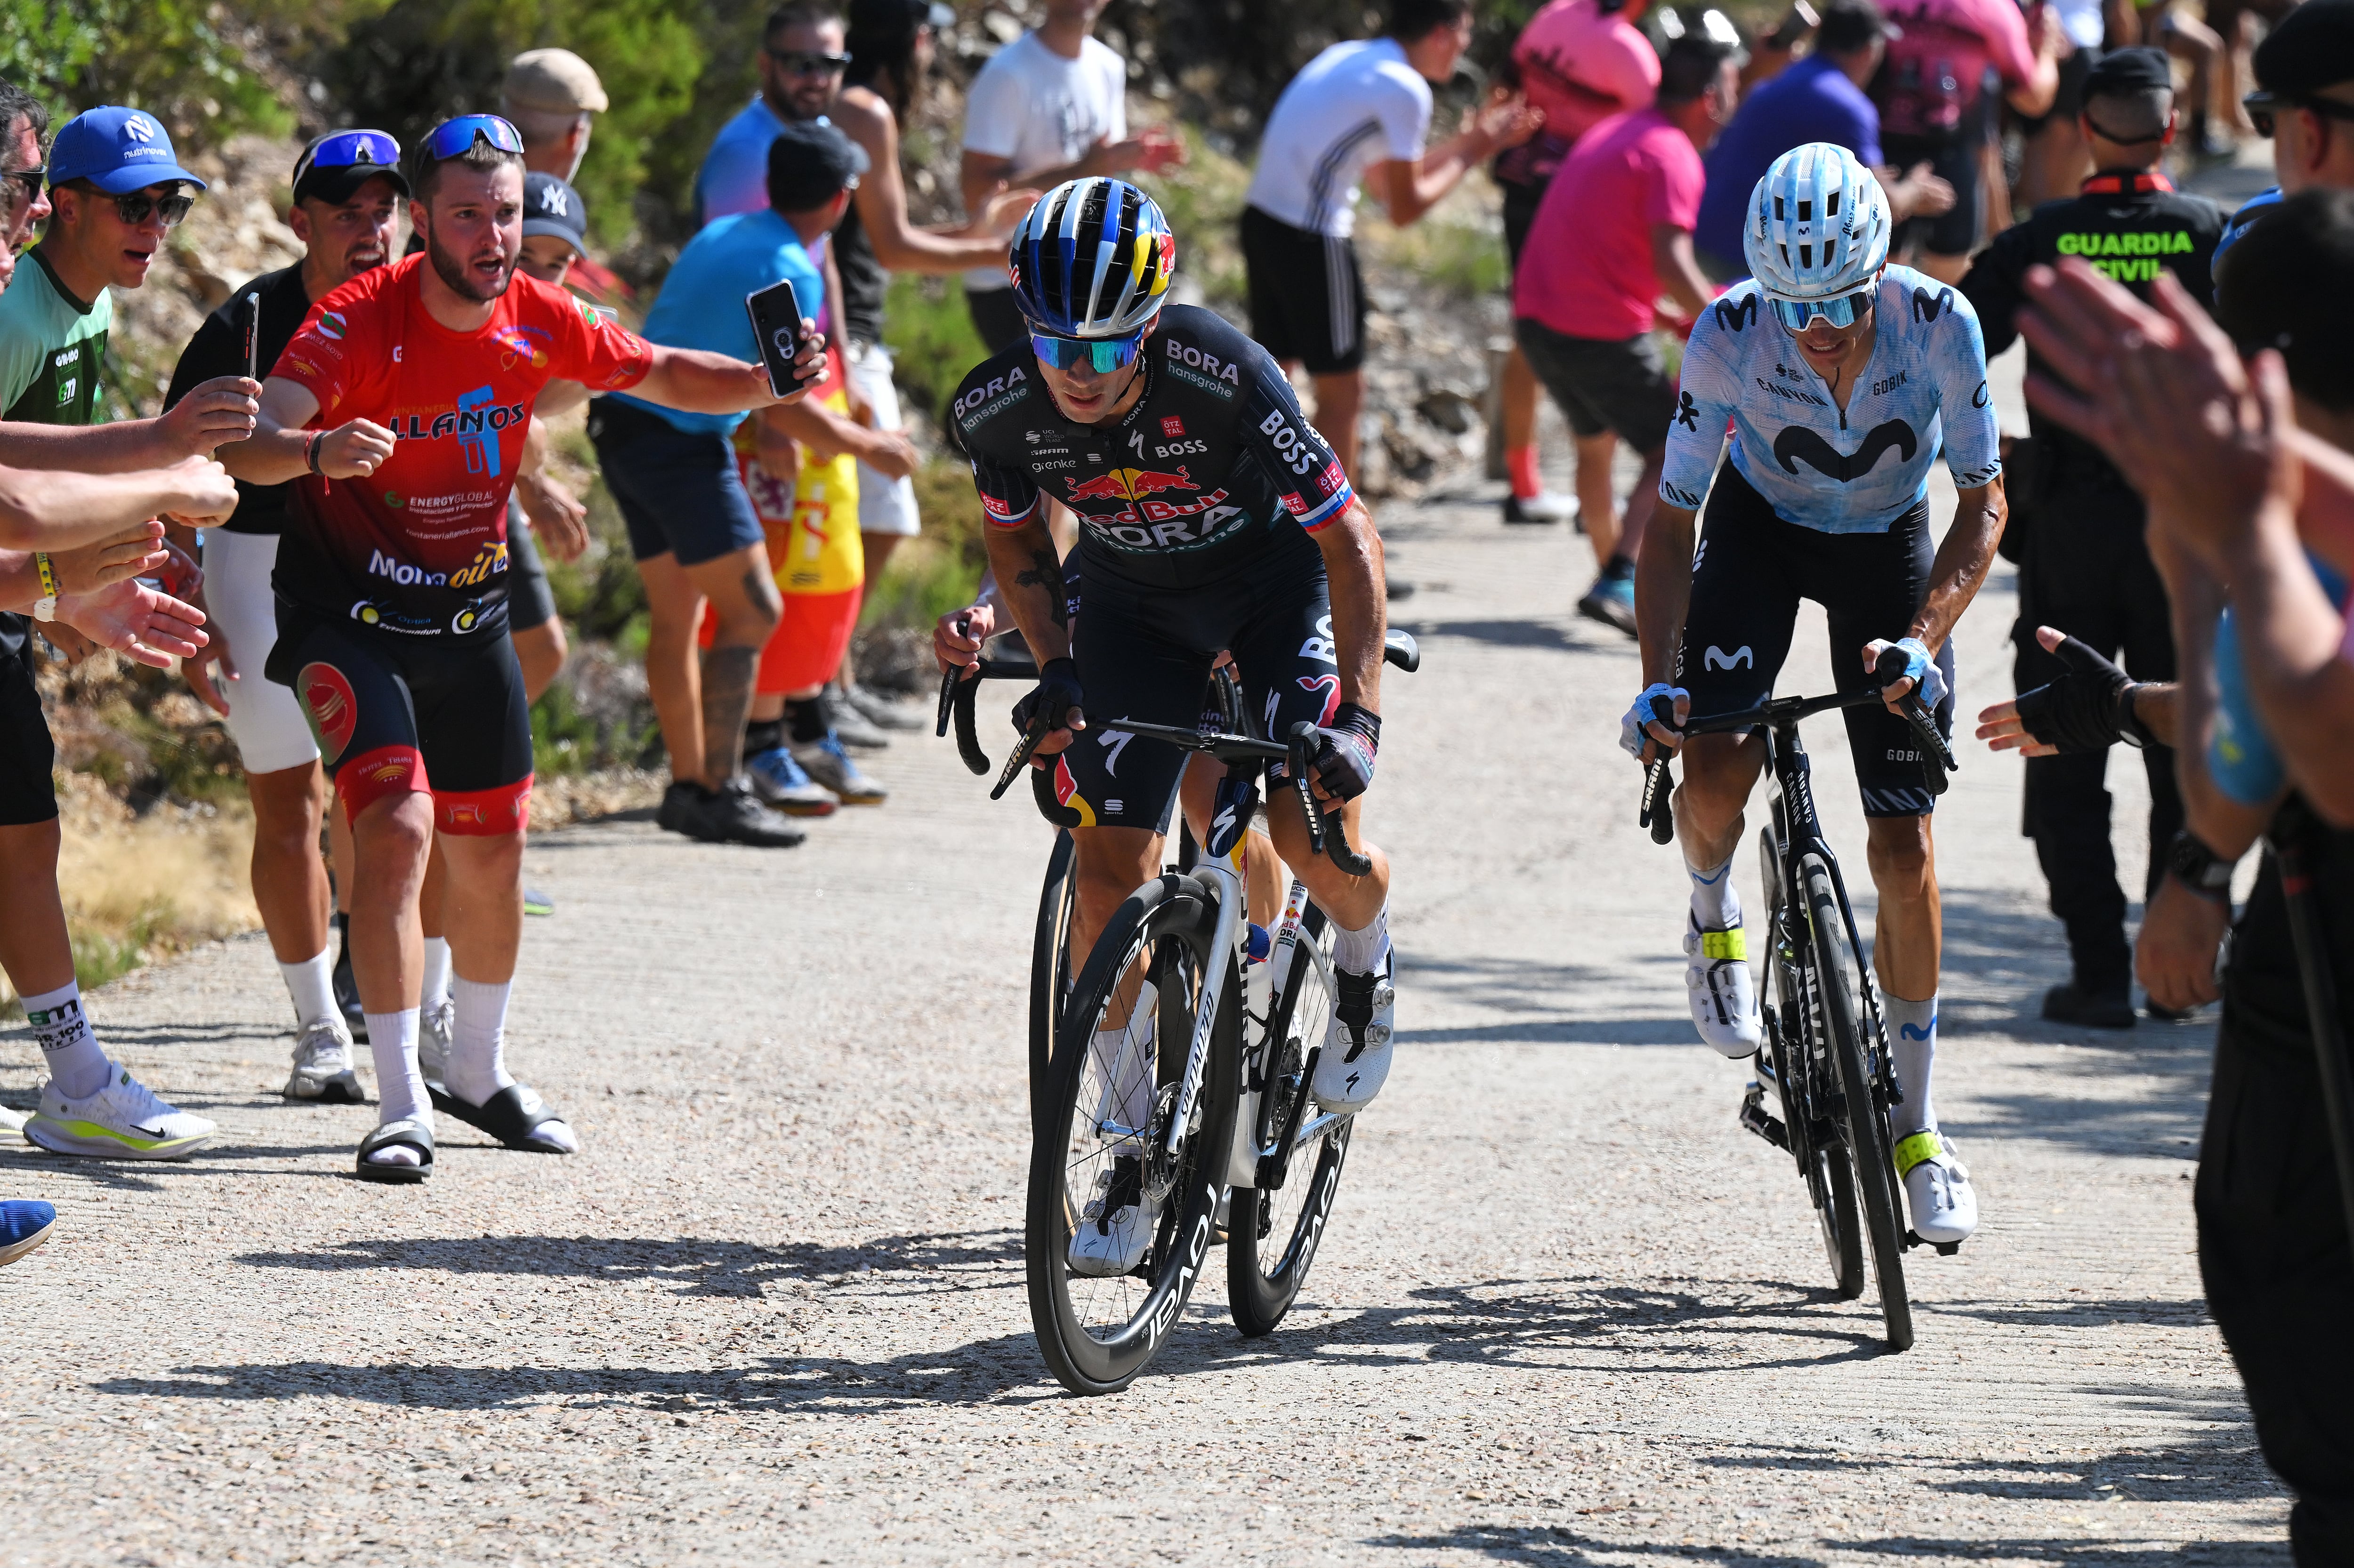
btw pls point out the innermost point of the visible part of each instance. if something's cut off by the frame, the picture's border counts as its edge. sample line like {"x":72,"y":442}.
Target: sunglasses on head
{"x":455,"y":138}
{"x":1843,"y":311}
{"x":349,"y":149}
{"x":809,"y":62}
{"x":1105,"y":353}
{"x":137,"y":207}
{"x":2264,"y":108}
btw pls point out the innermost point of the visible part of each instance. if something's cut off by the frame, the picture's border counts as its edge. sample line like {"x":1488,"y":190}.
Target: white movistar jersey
{"x":1843,"y":472}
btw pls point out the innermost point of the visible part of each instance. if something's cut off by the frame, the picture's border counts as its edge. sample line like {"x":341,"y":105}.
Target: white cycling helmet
{"x":1818,"y":225}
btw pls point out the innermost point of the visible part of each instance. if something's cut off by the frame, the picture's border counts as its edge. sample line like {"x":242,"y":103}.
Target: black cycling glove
{"x":1057,"y":693}
{"x":1344,"y":762}
{"x":2088,"y":709}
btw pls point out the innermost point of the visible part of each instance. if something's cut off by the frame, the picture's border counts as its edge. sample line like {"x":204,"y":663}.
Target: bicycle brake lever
{"x":1303,"y":738}
{"x":1661,"y":822}
{"x":1031,"y":734}
{"x":967,"y":740}
{"x":1336,"y":845}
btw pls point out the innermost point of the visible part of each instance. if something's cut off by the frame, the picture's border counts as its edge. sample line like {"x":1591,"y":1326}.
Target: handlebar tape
{"x":968,"y":741}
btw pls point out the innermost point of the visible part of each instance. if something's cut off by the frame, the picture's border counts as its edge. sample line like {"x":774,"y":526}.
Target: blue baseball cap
{"x":116,"y":150}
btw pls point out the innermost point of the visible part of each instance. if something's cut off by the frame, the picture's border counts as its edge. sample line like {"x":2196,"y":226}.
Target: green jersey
{"x":51,"y":348}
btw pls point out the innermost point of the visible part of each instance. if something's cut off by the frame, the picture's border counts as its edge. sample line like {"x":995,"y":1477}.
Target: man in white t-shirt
{"x":1358,"y":113}
{"x":1048,"y":107}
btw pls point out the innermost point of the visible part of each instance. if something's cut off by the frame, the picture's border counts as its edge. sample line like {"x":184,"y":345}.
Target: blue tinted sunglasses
{"x":1107,"y":354}
{"x":1844,"y":310}
{"x":348,"y":149}
{"x":453,"y":138}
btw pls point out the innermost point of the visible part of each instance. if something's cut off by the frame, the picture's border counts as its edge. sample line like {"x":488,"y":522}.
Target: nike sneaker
{"x":1724,"y":996}
{"x":124,"y":1120}
{"x":1356,"y":1058}
{"x":1937,"y":1189}
{"x":778,"y":779}
{"x":322,"y":1066}
{"x":1116,"y":1227}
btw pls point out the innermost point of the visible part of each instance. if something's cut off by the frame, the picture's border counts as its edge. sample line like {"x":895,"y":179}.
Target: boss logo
{"x":1181,"y":449}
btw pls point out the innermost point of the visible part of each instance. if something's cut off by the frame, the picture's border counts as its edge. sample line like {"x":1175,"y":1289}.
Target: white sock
{"x":478,"y":1038}
{"x":311,"y":984}
{"x":1715,"y":903}
{"x":1361,"y":952}
{"x":399,"y":1086}
{"x":77,"y":1065}
{"x":1913,"y":1039}
{"x":436,"y":989}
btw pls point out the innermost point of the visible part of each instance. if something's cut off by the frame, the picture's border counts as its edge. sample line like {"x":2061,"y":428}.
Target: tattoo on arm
{"x":1044,"y":571}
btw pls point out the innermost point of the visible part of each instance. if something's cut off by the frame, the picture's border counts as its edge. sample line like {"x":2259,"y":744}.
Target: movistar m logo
{"x":1912,"y":1032}
{"x":1718,"y":659}
{"x":1927,"y":307}
{"x":1798,"y":444}
{"x":1732,"y":317}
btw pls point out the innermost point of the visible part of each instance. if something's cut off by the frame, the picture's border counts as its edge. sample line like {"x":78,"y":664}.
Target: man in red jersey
{"x":400,"y":411}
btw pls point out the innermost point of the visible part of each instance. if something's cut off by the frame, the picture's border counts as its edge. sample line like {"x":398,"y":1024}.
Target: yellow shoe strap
{"x":1911,"y":1151}
{"x":1718,"y":946}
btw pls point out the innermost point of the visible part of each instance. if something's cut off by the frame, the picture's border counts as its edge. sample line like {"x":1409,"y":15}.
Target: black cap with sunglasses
{"x":2310,"y":48}
{"x":334,"y":168}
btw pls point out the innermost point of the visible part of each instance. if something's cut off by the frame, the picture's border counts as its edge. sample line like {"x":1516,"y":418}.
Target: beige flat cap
{"x":554,"y":82}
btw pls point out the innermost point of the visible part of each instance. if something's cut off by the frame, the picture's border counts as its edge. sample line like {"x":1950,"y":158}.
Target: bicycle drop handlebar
{"x":1326,"y":836}
{"x":1937,"y":758}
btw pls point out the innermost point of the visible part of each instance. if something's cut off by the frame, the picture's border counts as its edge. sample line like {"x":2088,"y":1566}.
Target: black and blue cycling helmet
{"x":1092,"y":260}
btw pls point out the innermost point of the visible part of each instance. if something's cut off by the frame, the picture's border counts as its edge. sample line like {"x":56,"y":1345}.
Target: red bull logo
{"x":1128,"y":484}
{"x":334,"y":711}
{"x":1066,"y":793}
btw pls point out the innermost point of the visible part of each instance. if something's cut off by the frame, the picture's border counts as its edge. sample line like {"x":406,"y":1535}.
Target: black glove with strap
{"x":1055,"y":695}
{"x":2088,"y":709}
{"x":1345,"y":749}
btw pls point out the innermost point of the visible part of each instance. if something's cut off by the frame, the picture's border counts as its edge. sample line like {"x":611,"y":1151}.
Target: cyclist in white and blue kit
{"x":1844,"y":378}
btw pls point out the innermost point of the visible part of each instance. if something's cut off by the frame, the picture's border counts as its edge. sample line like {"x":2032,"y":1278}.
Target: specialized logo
{"x":1732,"y":317}
{"x":1740,"y":658}
{"x":334,"y":710}
{"x":1331,"y":686}
{"x":1128,"y":484}
{"x":1798,"y":444}
{"x":1926,"y":308}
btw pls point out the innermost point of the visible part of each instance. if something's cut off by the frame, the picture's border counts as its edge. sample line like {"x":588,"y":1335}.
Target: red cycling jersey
{"x":419,"y":546}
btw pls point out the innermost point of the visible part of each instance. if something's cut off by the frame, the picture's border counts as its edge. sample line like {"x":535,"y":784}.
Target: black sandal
{"x":402,"y":1134}
{"x":511,"y":1116}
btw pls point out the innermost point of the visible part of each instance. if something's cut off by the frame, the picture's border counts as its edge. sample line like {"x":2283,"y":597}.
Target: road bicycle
{"x":1199,"y":1034}
{"x":1826,"y":1049}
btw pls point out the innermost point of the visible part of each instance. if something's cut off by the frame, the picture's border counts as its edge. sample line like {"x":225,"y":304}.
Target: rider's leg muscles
{"x":1111,"y":863}
{"x":1353,"y":903}
{"x":1263,"y":870}
{"x":1905,"y":953}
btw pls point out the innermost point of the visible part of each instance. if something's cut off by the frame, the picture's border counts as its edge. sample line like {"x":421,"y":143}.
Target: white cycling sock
{"x":1714,"y":898}
{"x":311,"y":984}
{"x":436,"y":988}
{"x":1361,"y":952}
{"x":478,"y":1038}
{"x":1913,"y":1039}
{"x":399,"y":1086}
{"x":77,"y":1065}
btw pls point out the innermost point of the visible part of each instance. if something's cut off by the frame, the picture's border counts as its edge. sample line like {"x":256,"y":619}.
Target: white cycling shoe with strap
{"x":1937,"y":1190}
{"x":1724,"y":996}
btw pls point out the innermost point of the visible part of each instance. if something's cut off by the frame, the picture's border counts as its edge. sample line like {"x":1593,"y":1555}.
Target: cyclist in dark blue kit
{"x":1212,"y":517}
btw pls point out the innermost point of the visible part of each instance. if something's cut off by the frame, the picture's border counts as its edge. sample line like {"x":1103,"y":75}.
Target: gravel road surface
{"x":1568,"y":1312}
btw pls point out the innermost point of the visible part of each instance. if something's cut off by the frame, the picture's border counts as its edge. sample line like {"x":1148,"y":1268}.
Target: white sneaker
{"x":1937,"y":1189}
{"x":435,"y":1028}
{"x":1356,"y":1056}
{"x":124,"y":1120}
{"x":1116,"y":1227}
{"x":11,"y":1121}
{"x":1724,"y":997}
{"x":322,"y":1066}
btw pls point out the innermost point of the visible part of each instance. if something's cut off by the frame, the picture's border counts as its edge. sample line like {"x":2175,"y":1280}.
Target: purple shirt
{"x":1813,"y":100}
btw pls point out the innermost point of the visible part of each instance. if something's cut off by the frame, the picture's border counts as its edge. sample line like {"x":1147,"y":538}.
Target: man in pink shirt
{"x":1933,"y":109}
{"x":1613,"y":234}
{"x":1579,"y":62}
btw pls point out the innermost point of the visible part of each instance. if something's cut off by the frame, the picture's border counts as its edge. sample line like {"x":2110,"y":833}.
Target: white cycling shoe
{"x":1724,"y":996}
{"x":1116,"y":1227}
{"x":1936,"y":1189}
{"x":1355,"y":1060}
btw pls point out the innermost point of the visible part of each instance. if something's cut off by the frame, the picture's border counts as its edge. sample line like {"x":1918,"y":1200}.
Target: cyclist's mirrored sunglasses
{"x":138,"y":206}
{"x":453,"y":138}
{"x":2265,"y":107}
{"x":1105,"y":354}
{"x":349,"y":149}
{"x":809,"y":62}
{"x":1841,"y":312}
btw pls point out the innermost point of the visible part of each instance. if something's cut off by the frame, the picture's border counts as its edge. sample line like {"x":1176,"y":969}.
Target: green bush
{"x":931,"y":334}
{"x":193,"y":64}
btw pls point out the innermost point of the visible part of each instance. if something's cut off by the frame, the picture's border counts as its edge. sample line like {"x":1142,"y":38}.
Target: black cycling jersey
{"x":1199,"y":480}
{"x":2129,"y":227}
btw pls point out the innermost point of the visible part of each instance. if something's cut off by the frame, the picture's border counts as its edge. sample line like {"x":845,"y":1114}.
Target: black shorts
{"x":530,"y":601}
{"x":1954,"y":160}
{"x":1604,"y":384}
{"x":1307,"y":296}
{"x":680,"y":492}
{"x":1750,"y":572}
{"x":997,"y":319}
{"x":1521,"y":202}
{"x":398,"y":715}
{"x":1145,"y":654}
{"x":29,"y":757}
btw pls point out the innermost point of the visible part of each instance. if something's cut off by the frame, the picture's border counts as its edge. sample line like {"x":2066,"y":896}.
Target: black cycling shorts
{"x":27,"y":756}
{"x":1306,"y":294}
{"x":1145,"y":654}
{"x":1750,"y":572}
{"x":398,"y":715}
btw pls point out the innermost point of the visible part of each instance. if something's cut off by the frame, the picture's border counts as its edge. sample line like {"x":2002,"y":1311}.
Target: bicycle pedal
{"x":1763,"y":1123}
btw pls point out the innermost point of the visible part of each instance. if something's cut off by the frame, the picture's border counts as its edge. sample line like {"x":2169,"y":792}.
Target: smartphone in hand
{"x":252,"y":338}
{"x":776,"y":313}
